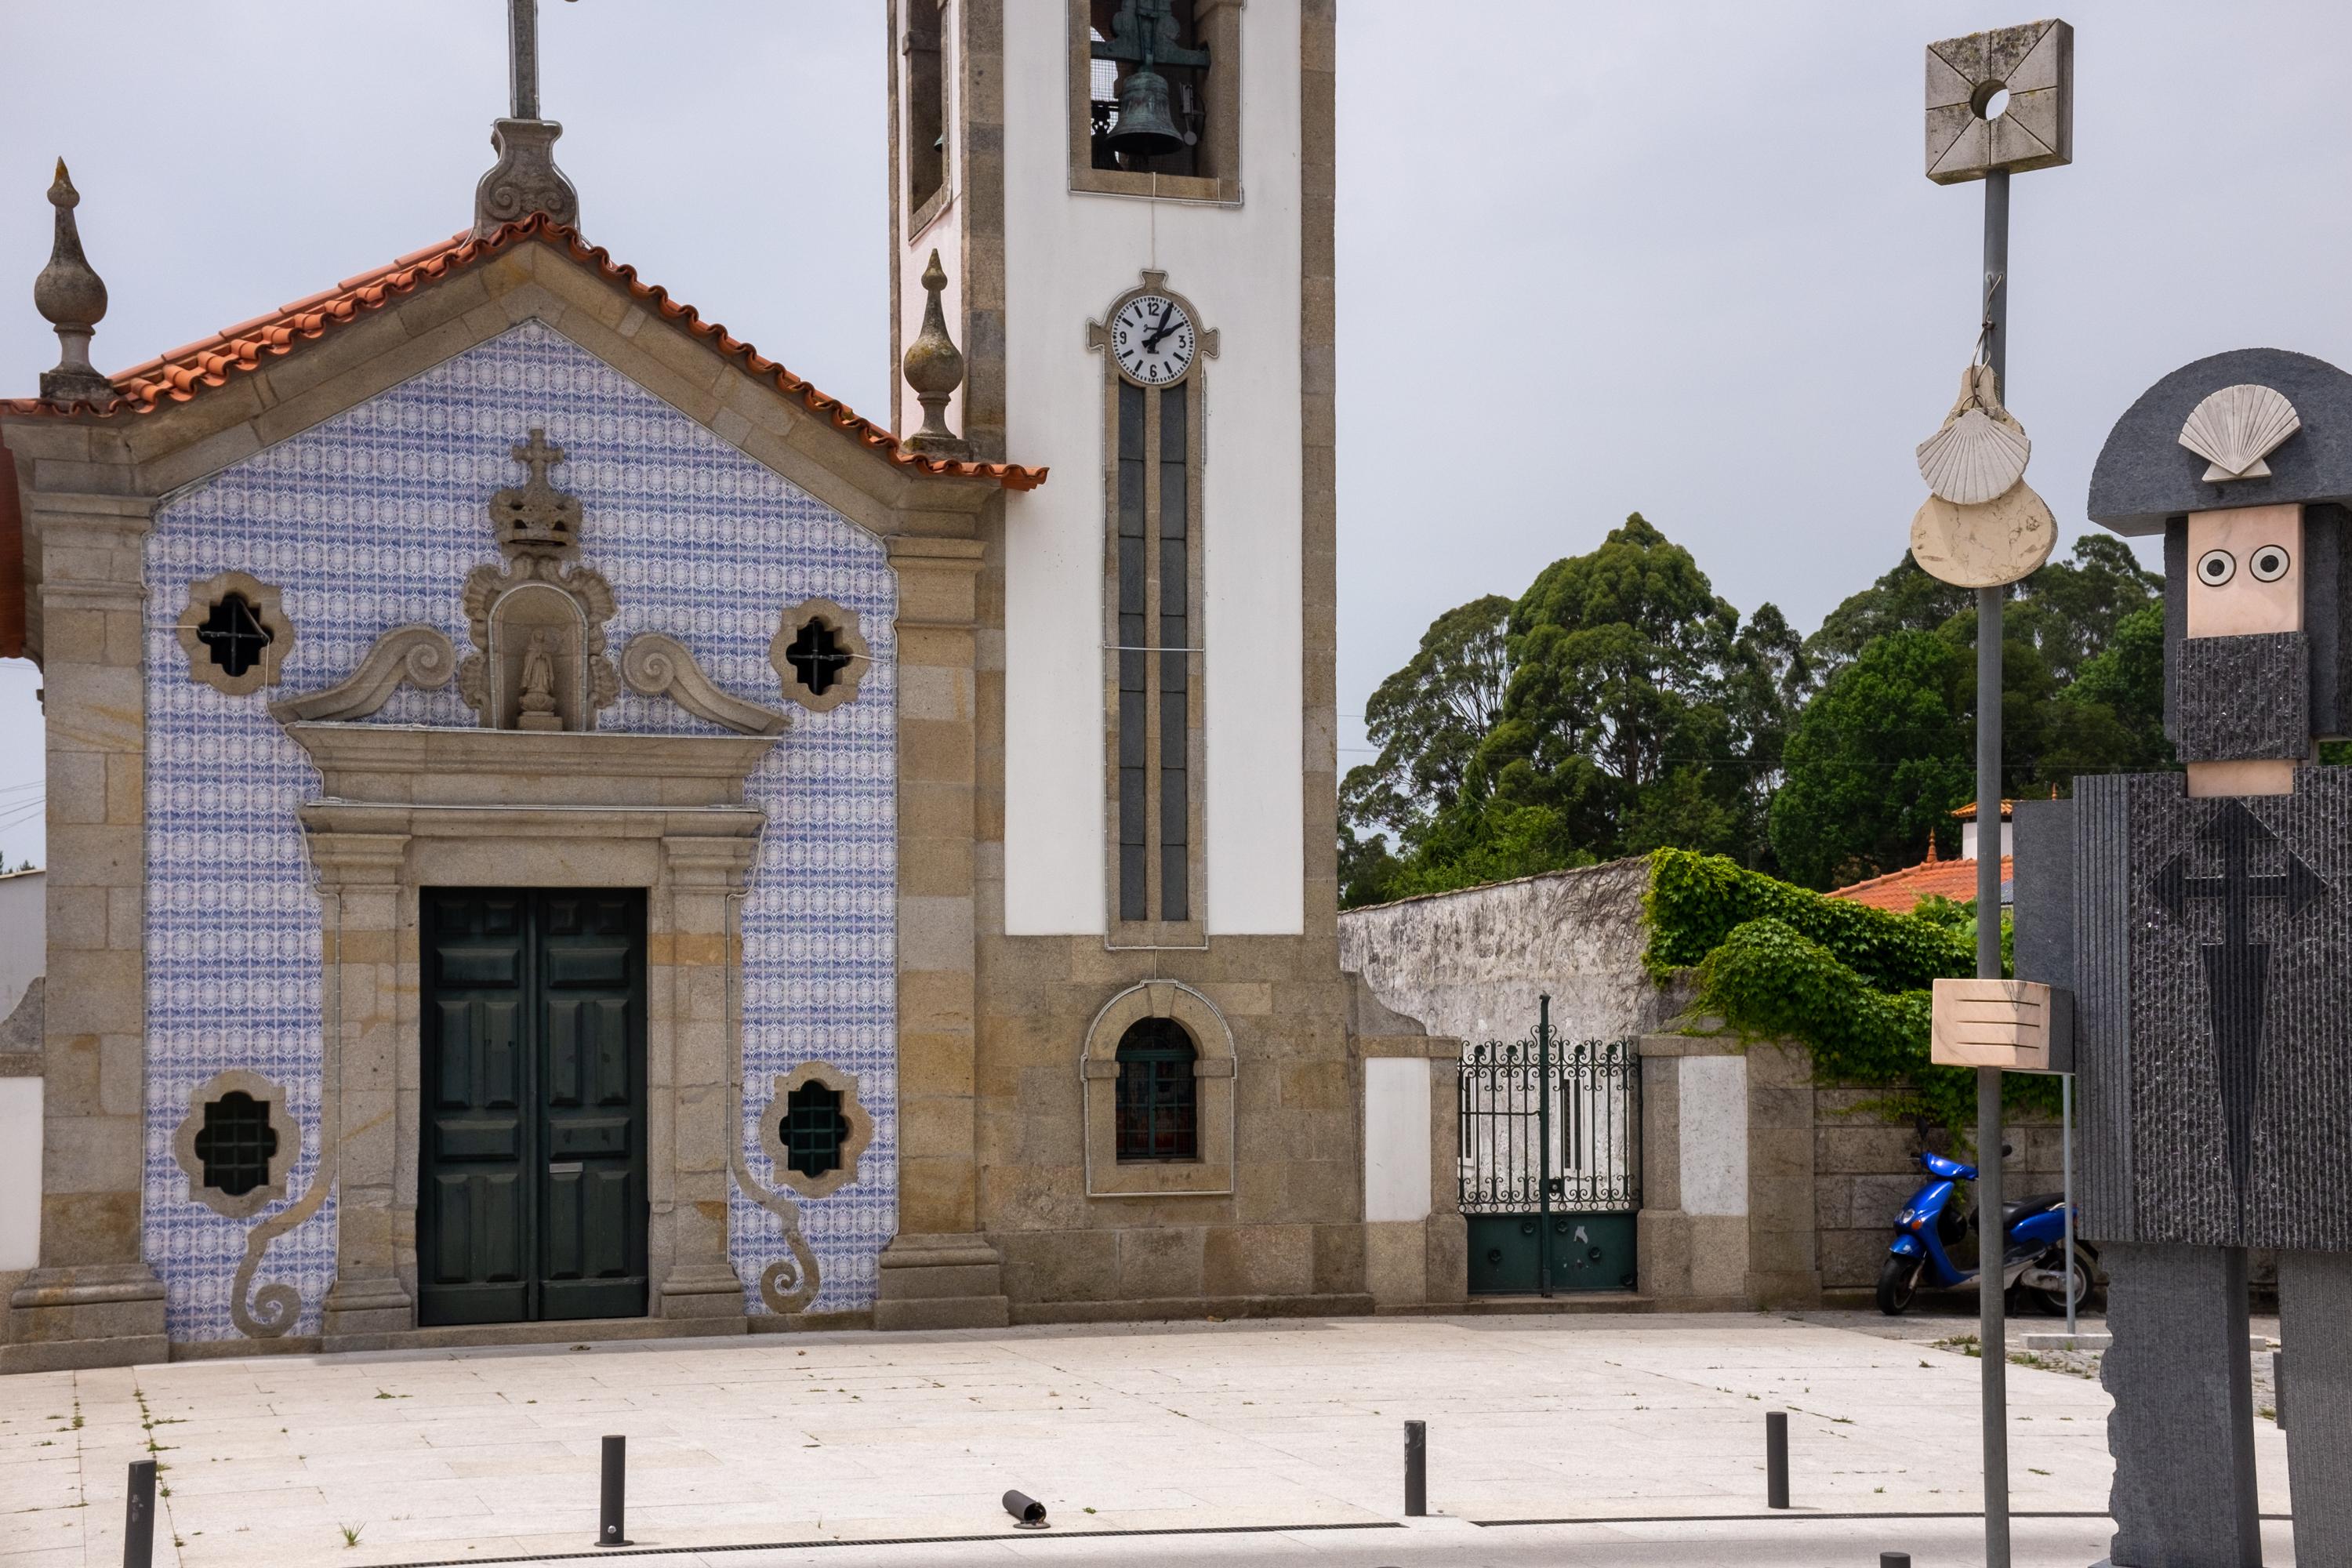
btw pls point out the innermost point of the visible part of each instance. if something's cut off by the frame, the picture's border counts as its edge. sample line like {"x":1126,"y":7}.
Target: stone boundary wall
{"x":1471,"y":965}
{"x":1764,"y":1190}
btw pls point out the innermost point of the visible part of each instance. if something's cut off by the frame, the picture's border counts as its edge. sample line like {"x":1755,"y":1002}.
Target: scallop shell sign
{"x":1982,"y":525}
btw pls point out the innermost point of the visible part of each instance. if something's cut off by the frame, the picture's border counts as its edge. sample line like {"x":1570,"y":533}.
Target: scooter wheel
{"x":1897,"y":1283}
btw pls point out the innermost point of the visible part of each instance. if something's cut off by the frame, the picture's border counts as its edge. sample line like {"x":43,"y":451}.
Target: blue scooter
{"x":2034,"y":1264}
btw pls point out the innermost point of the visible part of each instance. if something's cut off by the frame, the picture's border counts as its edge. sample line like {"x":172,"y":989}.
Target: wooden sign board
{"x":2017,"y":1025}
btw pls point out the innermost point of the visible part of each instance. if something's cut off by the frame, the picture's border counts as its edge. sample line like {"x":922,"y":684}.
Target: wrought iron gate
{"x":1551,"y":1162}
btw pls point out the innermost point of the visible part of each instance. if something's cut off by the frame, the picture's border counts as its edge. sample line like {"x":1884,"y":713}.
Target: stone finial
{"x":525,"y":179}
{"x":934,"y":368}
{"x":72,"y":299}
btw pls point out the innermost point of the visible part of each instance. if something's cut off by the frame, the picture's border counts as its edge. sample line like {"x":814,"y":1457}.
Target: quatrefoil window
{"x":813,"y":1130}
{"x":819,"y":655}
{"x":236,"y":1143}
{"x":234,"y":633}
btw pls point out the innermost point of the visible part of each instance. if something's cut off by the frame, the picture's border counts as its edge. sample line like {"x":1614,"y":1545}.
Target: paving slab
{"x":470,"y":1455}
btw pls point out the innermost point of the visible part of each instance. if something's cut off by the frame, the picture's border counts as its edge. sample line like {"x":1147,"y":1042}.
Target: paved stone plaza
{"x":477,"y":1455}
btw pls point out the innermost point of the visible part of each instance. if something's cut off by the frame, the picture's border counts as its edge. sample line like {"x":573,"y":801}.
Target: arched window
{"x":1159,"y":1094}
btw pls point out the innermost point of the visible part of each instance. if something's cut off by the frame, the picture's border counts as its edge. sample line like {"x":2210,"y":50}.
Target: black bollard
{"x":2278,"y":1389}
{"x":1416,"y":1468}
{"x":1776,"y":1458}
{"x":614,"y":1495}
{"x":1028,"y":1513}
{"x":1894,"y":1560}
{"x":138,"y":1517}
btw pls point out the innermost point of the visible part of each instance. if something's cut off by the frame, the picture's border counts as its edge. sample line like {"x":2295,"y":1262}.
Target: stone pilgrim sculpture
{"x":2202,"y":924}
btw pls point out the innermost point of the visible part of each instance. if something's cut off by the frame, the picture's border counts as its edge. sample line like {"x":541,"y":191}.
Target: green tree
{"x":1428,"y":719}
{"x":1878,"y":760}
{"x":1904,"y":599}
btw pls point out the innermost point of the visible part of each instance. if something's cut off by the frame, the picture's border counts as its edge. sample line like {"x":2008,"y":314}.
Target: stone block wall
{"x":1763,"y":1189}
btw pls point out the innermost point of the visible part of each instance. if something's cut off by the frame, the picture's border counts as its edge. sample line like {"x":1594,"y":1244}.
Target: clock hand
{"x":1152,"y":342}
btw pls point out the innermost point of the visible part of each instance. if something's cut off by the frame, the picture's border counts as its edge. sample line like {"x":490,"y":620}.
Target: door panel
{"x":533,"y":1183}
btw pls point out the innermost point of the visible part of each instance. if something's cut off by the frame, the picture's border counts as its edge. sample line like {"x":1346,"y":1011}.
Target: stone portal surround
{"x":661,"y":812}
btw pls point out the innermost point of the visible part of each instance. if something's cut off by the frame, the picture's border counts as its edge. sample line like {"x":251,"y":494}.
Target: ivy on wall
{"x":1847,"y":982}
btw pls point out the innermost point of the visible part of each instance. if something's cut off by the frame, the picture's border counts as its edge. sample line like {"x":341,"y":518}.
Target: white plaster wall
{"x":20,"y":1172}
{"x":1066,"y":257}
{"x":23,"y":939}
{"x":1714,"y":1097}
{"x":1396,"y":1139}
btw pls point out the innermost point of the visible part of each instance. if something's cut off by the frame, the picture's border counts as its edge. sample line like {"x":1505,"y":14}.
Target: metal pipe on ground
{"x":1776,"y":1458}
{"x":138,"y":1517}
{"x":1028,"y":1513}
{"x":613,"y":1496}
{"x":1894,"y":1560}
{"x":1416,"y":1468}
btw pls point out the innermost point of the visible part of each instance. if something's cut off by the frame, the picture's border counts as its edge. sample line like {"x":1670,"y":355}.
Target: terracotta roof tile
{"x":1902,"y":891}
{"x":189,"y":370}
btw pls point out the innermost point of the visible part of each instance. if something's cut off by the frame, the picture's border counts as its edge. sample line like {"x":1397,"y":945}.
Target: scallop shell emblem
{"x":2002,"y":541}
{"x":1980,"y":450}
{"x":2237,"y":427}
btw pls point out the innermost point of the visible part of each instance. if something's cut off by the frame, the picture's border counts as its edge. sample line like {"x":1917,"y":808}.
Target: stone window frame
{"x":922,"y":214}
{"x":203,"y":598}
{"x":244,"y":1204}
{"x":1156,"y":933}
{"x":1218,"y":23}
{"x":1216,"y":1069}
{"x":852,"y":1145}
{"x":844,"y":626}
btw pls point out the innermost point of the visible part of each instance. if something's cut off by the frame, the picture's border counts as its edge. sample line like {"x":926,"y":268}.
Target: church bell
{"x":1145,"y":128}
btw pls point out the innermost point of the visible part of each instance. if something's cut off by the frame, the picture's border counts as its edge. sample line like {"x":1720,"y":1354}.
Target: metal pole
{"x":138,"y":1517}
{"x":615,"y":1493}
{"x":1992,"y":1234}
{"x":1416,"y":1468}
{"x":1776,"y":1458}
{"x":1543,"y":1146}
{"x":2066,"y":1164}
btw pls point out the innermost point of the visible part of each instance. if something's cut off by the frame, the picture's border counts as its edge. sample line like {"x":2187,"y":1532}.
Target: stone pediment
{"x":594,"y":770}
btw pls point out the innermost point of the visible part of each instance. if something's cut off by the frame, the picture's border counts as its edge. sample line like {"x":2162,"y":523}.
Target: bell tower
{"x":1129,"y":203}
{"x":1055,"y":155}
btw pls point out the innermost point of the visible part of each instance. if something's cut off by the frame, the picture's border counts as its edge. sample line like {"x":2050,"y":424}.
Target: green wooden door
{"x":531,"y":1188}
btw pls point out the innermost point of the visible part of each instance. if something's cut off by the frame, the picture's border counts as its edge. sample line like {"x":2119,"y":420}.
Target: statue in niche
{"x":538,"y":700}
{"x":538,"y":620}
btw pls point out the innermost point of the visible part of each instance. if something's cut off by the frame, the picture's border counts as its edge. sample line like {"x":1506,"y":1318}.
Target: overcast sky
{"x":1676,"y":256}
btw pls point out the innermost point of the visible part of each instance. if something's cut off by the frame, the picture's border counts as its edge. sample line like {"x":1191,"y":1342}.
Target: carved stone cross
{"x":2237,"y":968}
{"x":537,"y":455}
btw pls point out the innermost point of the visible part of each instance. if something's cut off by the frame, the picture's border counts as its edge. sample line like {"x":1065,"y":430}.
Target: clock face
{"x":1152,"y":340}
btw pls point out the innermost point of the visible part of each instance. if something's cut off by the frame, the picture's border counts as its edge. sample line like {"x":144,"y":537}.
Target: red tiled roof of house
{"x":1902,"y":891}
{"x":186,"y":371}
{"x":1969,"y":811}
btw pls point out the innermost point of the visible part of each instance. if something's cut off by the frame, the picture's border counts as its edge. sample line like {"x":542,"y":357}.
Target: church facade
{"x":558,"y":828}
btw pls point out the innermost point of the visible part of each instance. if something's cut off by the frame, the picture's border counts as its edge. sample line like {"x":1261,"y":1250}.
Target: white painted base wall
{"x":1714,"y":1097}
{"x":20,"y":1172}
{"x":1396,"y":1139}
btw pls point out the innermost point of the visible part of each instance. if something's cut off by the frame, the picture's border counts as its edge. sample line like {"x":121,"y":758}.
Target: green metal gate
{"x":1551,"y":1162}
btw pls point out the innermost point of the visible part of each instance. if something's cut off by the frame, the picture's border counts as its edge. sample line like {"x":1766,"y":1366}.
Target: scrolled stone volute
{"x":933,"y":366}
{"x":71,"y":297}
